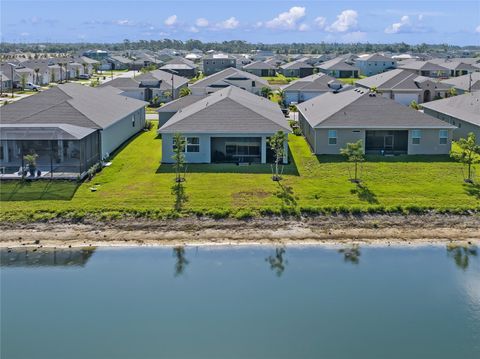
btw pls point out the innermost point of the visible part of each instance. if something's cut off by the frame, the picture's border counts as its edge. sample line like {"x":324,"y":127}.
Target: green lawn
{"x":279,"y":79}
{"x":136,"y":183}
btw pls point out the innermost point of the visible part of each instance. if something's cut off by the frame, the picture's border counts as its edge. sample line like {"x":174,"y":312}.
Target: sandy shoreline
{"x":379,"y":230}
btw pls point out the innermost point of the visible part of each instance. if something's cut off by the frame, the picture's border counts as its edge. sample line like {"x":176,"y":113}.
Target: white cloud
{"x":193,"y":29}
{"x":346,"y":21}
{"x":287,"y":20}
{"x":354,"y":36}
{"x":171,"y":20}
{"x":320,"y":22}
{"x":229,"y":24}
{"x":124,"y":22}
{"x":477,"y":30}
{"x":201,"y":22}
{"x":397,"y":27}
{"x":303,"y":27}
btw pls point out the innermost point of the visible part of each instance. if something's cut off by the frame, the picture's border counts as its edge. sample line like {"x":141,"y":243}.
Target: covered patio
{"x":393,"y":142}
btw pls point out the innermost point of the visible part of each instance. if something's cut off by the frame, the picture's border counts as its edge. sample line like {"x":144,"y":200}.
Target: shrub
{"x":148,"y":125}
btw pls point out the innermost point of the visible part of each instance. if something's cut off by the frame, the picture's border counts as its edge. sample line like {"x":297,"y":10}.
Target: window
{"x":253,"y":83}
{"x":443,"y":137}
{"x":193,"y":144}
{"x":332,"y":137}
{"x":133,"y":121}
{"x":416,"y":136}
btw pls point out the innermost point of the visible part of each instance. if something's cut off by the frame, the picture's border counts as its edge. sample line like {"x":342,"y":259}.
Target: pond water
{"x":241,"y":302}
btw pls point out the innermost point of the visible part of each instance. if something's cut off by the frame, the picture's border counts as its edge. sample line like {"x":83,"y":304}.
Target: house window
{"x":253,"y":83}
{"x":133,"y":121}
{"x":193,"y":144}
{"x":416,"y":136}
{"x":332,"y":137}
{"x":443,"y":137}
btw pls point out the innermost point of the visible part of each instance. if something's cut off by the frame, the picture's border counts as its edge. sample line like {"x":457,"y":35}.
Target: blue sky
{"x":269,"y":21}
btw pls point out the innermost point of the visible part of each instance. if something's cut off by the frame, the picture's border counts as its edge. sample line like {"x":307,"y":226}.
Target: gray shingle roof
{"x":463,"y":82}
{"x":358,"y":109}
{"x":259,"y":65}
{"x":297,"y":64}
{"x":222,"y":78}
{"x":464,"y":107}
{"x":182,"y":102}
{"x":165,"y":77}
{"x":398,"y":79}
{"x":375,"y":57}
{"x":315,"y":82}
{"x":43,"y":131}
{"x":230,"y":110}
{"x":72,"y":104}
{"x":337,"y":64}
{"x":422,"y":66}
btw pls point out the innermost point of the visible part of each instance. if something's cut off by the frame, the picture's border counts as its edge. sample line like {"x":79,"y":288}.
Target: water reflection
{"x":180,"y":261}
{"x":351,"y":254}
{"x":277,"y":262}
{"x":461,"y":254}
{"x":45,"y":257}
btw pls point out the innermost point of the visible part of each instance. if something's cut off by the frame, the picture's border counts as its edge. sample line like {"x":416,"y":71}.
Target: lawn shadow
{"x":286,"y":195}
{"x":124,"y":145}
{"x":178,"y":190}
{"x":365,"y":194}
{"x":472,"y":189}
{"x":289,"y":169}
{"x":38,"y":190}
{"x":391,"y":159}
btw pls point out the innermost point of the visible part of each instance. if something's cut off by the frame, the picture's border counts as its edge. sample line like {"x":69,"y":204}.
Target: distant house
{"x":309,"y":87}
{"x":405,"y":86}
{"x":118,"y":62}
{"x":425,"y":68}
{"x":181,"y":67}
{"x":213,"y":63}
{"x":70,"y":127}
{"x":229,"y":77}
{"x":462,"y":111}
{"x":374,"y":64}
{"x":260,"y":68}
{"x":97,"y":55}
{"x":465,"y":83}
{"x":19,"y":72}
{"x":169,"y":109}
{"x":297,"y":68}
{"x":5,"y":81}
{"x":155,"y":85}
{"x":456,"y":67}
{"x":331,"y":121}
{"x":276,"y":61}
{"x":338,"y":68}
{"x":230,"y":125}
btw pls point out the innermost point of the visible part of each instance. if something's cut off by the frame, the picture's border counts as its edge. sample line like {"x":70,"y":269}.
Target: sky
{"x":455,"y":22}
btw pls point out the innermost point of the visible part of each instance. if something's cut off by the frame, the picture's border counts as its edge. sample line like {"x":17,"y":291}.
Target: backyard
{"x":137,"y":184}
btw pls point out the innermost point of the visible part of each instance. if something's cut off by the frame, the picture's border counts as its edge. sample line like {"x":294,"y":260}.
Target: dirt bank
{"x":367,"y":229}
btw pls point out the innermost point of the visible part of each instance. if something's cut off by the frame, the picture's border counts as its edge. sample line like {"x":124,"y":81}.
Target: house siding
{"x":463,"y":127}
{"x":429,"y":143}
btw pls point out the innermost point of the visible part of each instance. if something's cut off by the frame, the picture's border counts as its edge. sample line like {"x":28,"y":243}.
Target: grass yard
{"x":137,"y":184}
{"x":279,"y":79}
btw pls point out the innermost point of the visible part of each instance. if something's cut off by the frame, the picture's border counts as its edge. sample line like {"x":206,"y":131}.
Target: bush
{"x":92,"y":171}
{"x":148,"y":125}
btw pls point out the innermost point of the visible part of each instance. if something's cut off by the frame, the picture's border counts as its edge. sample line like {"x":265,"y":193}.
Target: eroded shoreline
{"x":381,"y":230}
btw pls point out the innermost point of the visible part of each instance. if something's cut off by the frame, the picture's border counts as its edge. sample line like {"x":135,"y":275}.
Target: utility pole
{"x":470,"y":83}
{"x":11,"y":70}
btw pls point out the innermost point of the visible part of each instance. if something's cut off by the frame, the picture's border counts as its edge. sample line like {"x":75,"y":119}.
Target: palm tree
{"x":185,"y":91}
{"x":266,"y":91}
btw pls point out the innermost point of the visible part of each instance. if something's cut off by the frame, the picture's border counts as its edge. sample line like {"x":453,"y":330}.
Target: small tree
{"x":277,"y":145}
{"x":266,"y":91}
{"x":23,"y":81}
{"x":452,"y":92}
{"x":415,"y":105}
{"x":467,"y":152}
{"x":185,"y":91}
{"x":354,"y":153}
{"x":167,"y":94}
{"x":179,"y":144}
{"x":95,"y":67}
{"x":31,"y":160}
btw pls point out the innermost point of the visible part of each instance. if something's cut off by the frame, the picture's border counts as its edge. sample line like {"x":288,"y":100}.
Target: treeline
{"x":234,"y":46}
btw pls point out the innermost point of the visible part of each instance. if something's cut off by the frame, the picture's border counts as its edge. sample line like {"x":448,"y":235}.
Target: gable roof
{"x":163,"y":76}
{"x":259,"y":65}
{"x":464,"y":107}
{"x":179,"y":63}
{"x":463,"y":82}
{"x":398,"y":79}
{"x":337,"y":64}
{"x":315,"y":82}
{"x":297,"y":64}
{"x":230,"y":110}
{"x":422,"y":66}
{"x":375,"y":57}
{"x":358,"y":108}
{"x":182,"y":102}
{"x":221,"y":78}
{"x":72,"y":104}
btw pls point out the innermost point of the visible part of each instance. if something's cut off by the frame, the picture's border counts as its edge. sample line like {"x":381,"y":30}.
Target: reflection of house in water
{"x":45,"y":257}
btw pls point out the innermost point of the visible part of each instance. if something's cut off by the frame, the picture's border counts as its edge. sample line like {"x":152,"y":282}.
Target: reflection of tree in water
{"x":351,"y":254}
{"x":181,"y":262}
{"x":45,"y":257}
{"x":277,"y":262}
{"x":461,"y":254}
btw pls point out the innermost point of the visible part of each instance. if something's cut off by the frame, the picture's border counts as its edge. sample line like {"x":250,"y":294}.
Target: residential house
{"x":213,"y":63}
{"x":230,"y":125}
{"x":405,"y":86}
{"x":70,"y":127}
{"x":462,"y":111}
{"x":276,"y":61}
{"x":118,"y":62}
{"x":229,"y":77}
{"x":374,"y":64}
{"x":169,"y":109}
{"x":98,"y":55}
{"x":309,"y":87}
{"x":332,"y":120}
{"x":465,"y":83}
{"x":298,"y":68}
{"x":425,"y":68}
{"x":5,"y":82}
{"x":18,"y":73}
{"x":456,"y":67}
{"x":260,"y":68}
{"x":154,"y":86}
{"x":181,"y":67}
{"x":338,"y":68}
